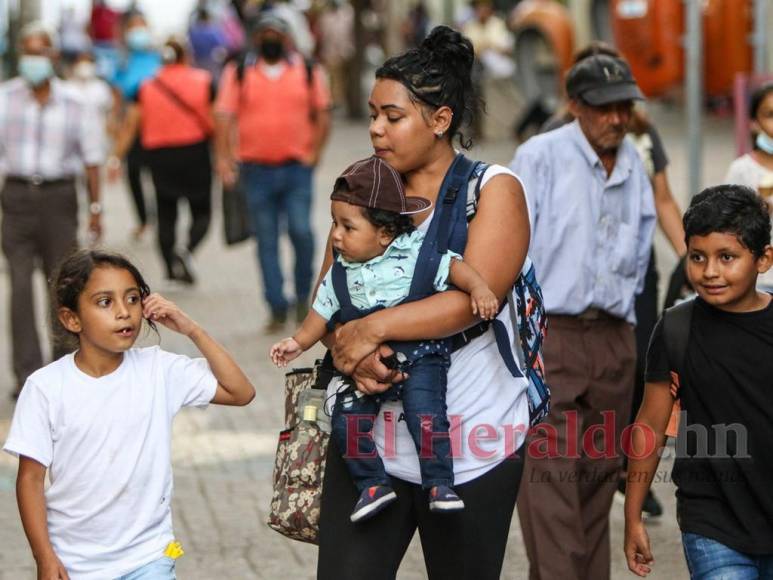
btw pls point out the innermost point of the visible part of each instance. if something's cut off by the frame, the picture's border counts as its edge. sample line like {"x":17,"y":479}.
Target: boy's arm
{"x":483,"y":301}
{"x":30,"y":482}
{"x":313,"y":329}
{"x":647,"y":440}
{"x":465,"y":277}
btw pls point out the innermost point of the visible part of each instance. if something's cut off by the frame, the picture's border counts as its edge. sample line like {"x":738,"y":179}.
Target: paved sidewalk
{"x":223,"y":457}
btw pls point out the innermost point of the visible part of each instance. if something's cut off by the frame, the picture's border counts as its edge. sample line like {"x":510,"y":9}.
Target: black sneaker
{"x":651,"y":506}
{"x":372,"y":501}
{"x":444,"y":499}
{"x":182,"y":267}
{"x":277,"y":322}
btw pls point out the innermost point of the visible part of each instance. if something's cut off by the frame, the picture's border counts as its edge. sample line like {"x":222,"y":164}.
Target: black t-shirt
{"x":727,"y":380}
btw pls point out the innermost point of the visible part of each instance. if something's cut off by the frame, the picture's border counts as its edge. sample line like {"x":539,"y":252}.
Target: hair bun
{"x":450,"y":47}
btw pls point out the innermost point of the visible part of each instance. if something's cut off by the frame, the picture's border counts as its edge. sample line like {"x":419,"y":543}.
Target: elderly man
{"x":47,"y":136}
{"x":593,"y":217}
{"x":280,"y":105}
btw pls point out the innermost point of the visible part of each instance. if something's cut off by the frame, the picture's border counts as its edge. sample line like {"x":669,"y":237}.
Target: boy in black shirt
{"x":724,"y":465}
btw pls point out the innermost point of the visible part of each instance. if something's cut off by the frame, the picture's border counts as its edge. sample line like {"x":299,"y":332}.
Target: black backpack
{"x":676,"y":335}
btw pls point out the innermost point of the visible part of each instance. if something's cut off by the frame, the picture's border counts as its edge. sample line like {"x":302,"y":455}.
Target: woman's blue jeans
{"x":708,"y":559}
{"x":279,"y":196}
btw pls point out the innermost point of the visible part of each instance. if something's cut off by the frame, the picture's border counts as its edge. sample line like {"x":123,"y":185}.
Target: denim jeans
{"x":707,"y":559}
{"x":161,"y":569}
{"x":424,"y":404}
{"x":277,"y":194}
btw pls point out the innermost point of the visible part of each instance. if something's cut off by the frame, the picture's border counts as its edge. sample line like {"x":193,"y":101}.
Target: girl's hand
{"x":637,"y":549}
{"x":484,"y":302}
{"x":371,"y":375}
{"x":284,"y":351}
{"x":52,"y":569}
{"x":353,"y":342}
{"x":158,"y":309}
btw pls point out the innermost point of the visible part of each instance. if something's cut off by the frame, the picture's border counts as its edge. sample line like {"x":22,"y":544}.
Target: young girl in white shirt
{"x":755,"y":169}
{"x":100,"y":421}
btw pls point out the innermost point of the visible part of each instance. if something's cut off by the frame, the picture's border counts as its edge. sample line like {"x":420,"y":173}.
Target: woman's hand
{"x":158,"y":309}
{"x":353,"y":342}
{"x":371,"y":375}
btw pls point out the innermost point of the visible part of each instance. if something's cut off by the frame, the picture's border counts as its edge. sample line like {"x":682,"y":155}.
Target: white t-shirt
{"x":107,"y":445}
{"x":487,"y":407}
{"x":746,"y":171}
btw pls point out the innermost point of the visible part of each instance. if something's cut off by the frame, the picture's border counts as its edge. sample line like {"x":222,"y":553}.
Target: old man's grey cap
{"x":602,"y":79}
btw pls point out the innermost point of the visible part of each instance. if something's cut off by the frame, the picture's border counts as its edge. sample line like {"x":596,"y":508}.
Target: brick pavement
{"x":223,"y":457}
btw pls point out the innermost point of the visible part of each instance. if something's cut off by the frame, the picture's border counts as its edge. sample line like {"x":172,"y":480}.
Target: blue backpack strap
{"x":346,"y":311}
{"x":341,"y":289}
{"x":505,"y":347}
{"x":436,"y":242}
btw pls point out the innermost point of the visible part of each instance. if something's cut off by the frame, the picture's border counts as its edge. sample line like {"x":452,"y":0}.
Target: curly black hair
{"x":730,"y":209}
{"x":393,"y":223}
{"x":439,"y":73}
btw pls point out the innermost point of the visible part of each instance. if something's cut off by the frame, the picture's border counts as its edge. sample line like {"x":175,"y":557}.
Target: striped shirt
{"x":51,"y":141}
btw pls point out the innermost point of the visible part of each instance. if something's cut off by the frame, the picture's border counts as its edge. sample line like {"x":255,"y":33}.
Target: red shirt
{"x":104,"y":22}
{"x":166,"y":122}
{"x":274,"y":115}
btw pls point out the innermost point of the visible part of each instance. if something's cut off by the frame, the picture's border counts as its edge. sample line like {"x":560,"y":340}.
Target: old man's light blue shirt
{"x":591,"y":234}
{"x":381,"y":281}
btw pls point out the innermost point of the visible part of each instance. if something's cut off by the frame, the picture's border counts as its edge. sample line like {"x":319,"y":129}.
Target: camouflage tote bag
{"x":299,"y":467}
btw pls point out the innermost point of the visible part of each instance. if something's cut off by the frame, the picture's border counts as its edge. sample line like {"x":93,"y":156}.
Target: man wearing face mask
{"x":142,"y":62}
{"x":47,"y":136}
{"x":94,"y":92}
{"x":279,"y":105}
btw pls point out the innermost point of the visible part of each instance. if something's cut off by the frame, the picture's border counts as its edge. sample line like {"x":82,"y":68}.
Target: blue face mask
{"x":35,"y":69}
{"x":138,"y":39}
{"x":765,"y":143}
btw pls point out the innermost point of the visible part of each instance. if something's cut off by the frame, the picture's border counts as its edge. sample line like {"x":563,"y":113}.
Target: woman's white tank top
{"x":487,"y":407}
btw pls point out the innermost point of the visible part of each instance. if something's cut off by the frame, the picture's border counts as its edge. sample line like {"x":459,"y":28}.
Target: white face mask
{"x":84,"y":70}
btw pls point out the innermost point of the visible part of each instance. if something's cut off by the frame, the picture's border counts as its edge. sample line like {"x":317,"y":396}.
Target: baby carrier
{"x":523,"y":312}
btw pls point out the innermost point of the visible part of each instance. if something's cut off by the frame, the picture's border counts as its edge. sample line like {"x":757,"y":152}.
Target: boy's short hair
{"x":730,"y":209}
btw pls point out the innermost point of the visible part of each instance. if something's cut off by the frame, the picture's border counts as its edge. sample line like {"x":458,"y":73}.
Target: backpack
{"x":448,"y":229}
{"x":676,"y":335}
